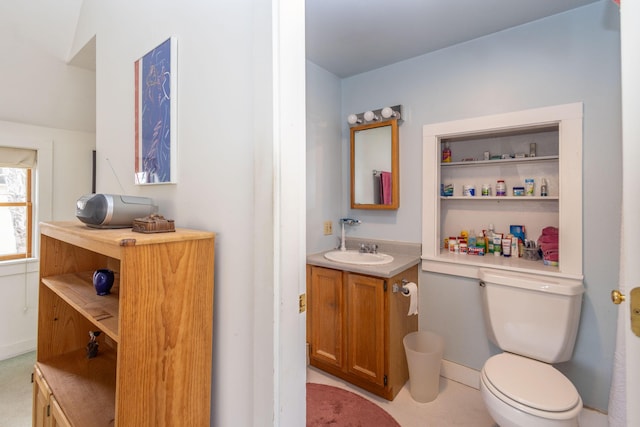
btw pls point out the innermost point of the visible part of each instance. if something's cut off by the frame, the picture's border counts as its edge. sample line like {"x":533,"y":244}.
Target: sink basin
{"x":359,"y":258}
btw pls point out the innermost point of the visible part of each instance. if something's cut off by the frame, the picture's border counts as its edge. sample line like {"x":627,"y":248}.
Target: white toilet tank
{"x":531,"y":315}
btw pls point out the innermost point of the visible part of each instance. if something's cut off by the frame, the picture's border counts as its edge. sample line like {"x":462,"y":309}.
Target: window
{"x":16,"y":207}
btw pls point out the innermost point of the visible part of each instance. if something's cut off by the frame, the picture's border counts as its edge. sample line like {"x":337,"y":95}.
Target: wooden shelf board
{"x":78,"y":291}
{"x":111,"y":242}
{"x":85,"y":388}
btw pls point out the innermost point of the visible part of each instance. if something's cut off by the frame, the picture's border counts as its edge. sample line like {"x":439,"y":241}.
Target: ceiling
{"x":348,"y":37}
{"x":345,"y":37}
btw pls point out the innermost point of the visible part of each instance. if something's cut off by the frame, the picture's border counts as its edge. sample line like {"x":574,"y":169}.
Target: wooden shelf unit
{"x":153,"y":366}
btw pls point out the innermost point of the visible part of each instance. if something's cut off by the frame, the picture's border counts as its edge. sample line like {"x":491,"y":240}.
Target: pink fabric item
{"x":548,"y":246}
{"x":548,"y":239}
{"x":385,"y":187}
{"x":551,"y":256}
{"x":550,"y":231}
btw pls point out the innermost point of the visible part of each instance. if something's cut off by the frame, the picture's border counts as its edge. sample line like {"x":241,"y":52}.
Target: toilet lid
{"x":531,"y":383}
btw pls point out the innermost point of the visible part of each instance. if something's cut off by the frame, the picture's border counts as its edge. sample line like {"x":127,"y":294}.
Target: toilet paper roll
{"x":412,"y":294}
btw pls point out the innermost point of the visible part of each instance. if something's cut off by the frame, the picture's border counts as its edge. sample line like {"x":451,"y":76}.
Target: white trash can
{"x":424,"y":356}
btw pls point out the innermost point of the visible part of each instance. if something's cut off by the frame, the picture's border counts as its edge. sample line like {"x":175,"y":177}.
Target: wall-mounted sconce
{"x":382,"y":114}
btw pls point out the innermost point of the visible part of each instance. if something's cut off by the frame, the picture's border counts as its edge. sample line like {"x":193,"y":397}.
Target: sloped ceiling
{"x":49,"y":24}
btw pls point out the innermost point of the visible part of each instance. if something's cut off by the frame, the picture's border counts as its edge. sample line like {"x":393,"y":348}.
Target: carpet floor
{"x":16,"y":390}
{"x":335,"y":407}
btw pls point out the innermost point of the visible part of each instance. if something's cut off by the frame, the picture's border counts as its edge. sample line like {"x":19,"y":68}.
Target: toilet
{"x":534,"y":320}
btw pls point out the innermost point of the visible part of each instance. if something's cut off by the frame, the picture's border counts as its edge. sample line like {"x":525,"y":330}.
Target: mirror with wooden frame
{"x":375,"y":166}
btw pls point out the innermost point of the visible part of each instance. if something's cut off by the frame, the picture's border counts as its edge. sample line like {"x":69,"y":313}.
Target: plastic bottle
{"x":543,"y":188}
{"x":489,"y":238}
{"x":446,"y":153}
{"x":472,"y":238}
{"x":506,"y":246}
{"x":481,"y":242}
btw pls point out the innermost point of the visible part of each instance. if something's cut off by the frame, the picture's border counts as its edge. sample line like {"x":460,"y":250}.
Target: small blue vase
{"x":103,"y":281}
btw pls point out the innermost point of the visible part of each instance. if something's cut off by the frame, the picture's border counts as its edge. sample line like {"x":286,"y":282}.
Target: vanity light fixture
{"x":382,"y":114}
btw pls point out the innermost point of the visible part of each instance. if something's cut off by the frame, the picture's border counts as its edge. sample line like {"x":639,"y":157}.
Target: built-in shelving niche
{"x":557,"y":132}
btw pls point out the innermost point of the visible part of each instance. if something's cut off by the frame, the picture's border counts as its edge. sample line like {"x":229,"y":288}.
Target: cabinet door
{"x":365,"y":327}
{"x":325,"y":301}
{"x":58,"y":419}
{"x":41,"y":397}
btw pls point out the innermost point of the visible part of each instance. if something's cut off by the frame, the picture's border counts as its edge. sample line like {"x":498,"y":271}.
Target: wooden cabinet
{"x":153,"y":366}
{"x":355,"y":327}
{"x":58,"y":418}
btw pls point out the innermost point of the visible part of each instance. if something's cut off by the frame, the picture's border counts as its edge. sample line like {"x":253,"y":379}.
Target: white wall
{"x":324,"y":164}
{"x":240,"y":134}
{"x":571,"y":57}
{"x":49,"y":106}
{"x":63,"y":174}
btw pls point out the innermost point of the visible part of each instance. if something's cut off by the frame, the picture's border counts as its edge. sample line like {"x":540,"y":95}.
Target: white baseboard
{"x":460,"y":373}
{"x":16,"y":349}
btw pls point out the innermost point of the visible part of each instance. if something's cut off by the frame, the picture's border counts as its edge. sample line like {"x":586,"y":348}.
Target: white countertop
{"x":399,"y":264}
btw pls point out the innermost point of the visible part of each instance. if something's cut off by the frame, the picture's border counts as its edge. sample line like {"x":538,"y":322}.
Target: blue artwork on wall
{"x":155,"y":115}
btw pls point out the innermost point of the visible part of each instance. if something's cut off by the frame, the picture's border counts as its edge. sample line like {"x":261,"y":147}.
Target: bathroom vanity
{"x":356,"y":320}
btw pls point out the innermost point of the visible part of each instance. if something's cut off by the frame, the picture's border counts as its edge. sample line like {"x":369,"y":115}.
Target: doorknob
{"x":617,"y":297}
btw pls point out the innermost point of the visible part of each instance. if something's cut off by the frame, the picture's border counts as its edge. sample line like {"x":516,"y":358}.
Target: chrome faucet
{"x":369,"y":248}
{"x":348,"y":221}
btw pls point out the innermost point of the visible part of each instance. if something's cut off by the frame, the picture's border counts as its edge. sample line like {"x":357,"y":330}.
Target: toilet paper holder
{"x":401,"y":288}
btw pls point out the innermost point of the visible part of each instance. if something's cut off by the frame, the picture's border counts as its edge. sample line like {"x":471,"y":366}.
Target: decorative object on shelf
{"x":381,"y":115}
{"x":155,"y":115}
{"x":103,"y":281}
{"x":92,"y":346}
{"x":153,"y":223}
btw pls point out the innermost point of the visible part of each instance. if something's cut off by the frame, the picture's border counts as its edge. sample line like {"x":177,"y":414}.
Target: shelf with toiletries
{"x":478,"y":162}
{"x":502,"y":198}
{"x":521,"y":168}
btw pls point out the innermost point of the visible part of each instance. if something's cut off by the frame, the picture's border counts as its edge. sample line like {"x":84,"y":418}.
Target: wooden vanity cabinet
{"x":355,"y":327}
{"x":153,"y":366}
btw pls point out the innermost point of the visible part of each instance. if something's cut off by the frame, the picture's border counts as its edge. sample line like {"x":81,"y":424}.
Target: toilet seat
{"x":531,"y":386}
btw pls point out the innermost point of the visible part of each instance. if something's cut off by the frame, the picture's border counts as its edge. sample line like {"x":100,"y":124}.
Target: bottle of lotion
{"x":446,"y":153}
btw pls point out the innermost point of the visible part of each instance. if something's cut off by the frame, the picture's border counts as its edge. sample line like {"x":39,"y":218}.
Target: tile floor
{"x":456,"y":405}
